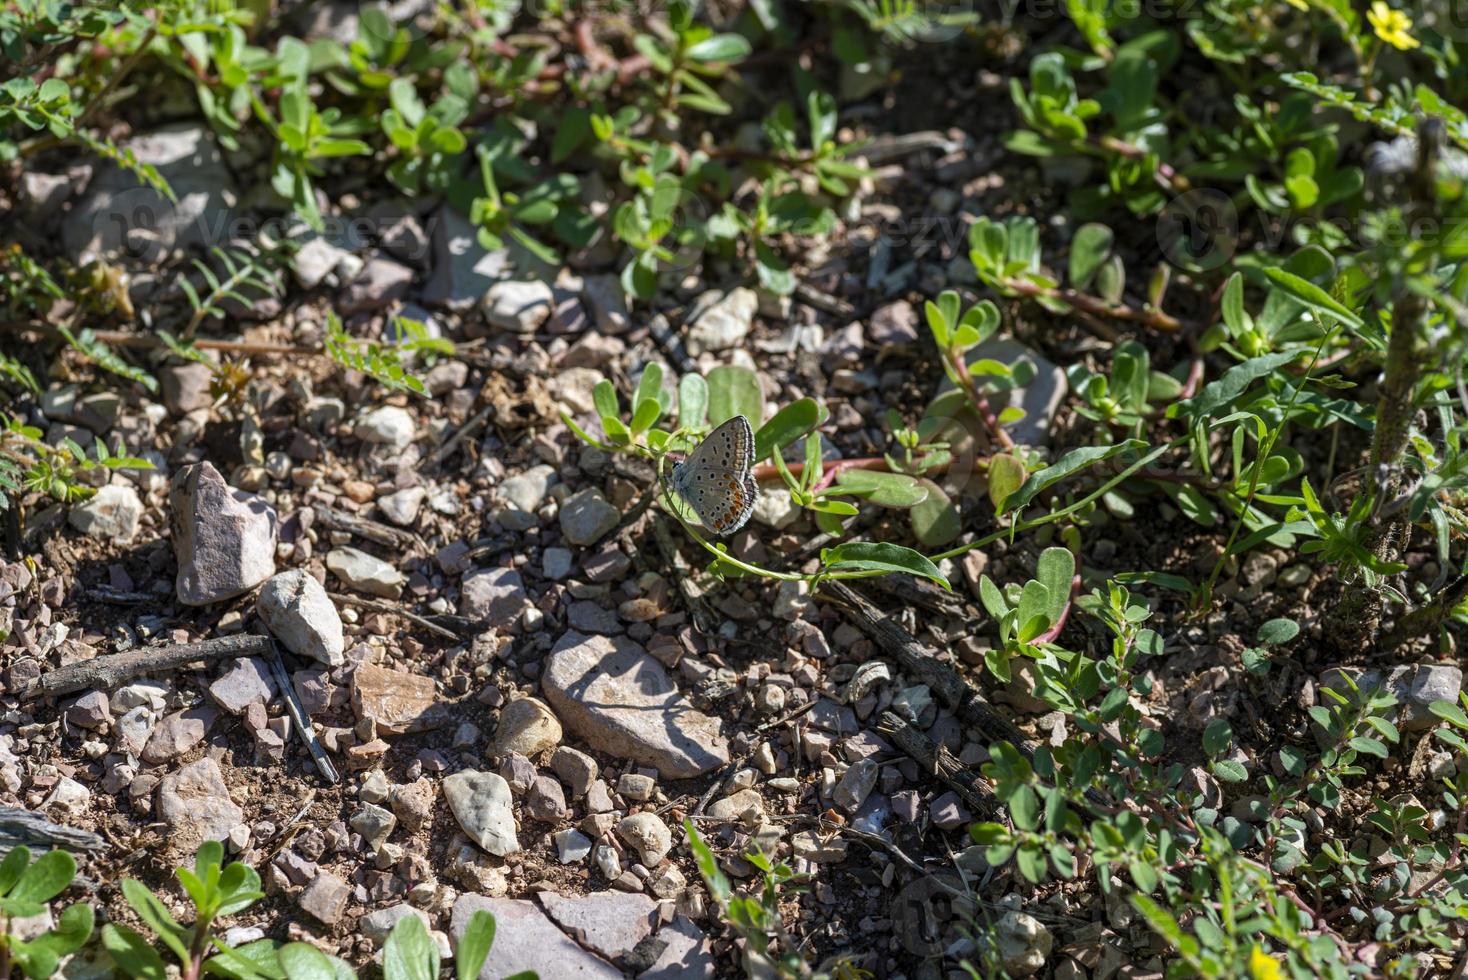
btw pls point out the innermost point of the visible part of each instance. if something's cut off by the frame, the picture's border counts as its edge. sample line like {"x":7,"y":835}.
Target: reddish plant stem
{"x":981,"y":403}
{"x":1097,"y":307}
{"x":767,"y":472}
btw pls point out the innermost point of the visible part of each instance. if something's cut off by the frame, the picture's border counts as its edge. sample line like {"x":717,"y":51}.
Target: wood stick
{"x":937,"y":761}
{"x":301,"y":720}
{"x":916,"y":660}
{"x":339,"y":520}
{"x":23,"y":828}
{"x":114,"y":669}
{"x":392,"y":609}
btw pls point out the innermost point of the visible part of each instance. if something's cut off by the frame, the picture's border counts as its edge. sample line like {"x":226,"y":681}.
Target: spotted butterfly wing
{"x":716,"y":480}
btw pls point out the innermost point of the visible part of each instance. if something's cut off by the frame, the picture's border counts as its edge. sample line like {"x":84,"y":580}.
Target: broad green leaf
{"x":735,"y":390}
{"x":650,"y":387}
{"x":1055,"y":570}
{"x":934,"y":520}
{"x":1071,"y":462}
{"x":1277,"y":631}
{"x":302,"y":961}
{"x":409,"y":953}
{"x":786,"y":426}
{"x":1088,"y":250}
{"x":1312,"y":296}
{"x":880,"y":557}
{"x":1218,"y":736}
{"x":693,"y":401}
{"x":604,"y":399}
{"x":1223,"y":393}
{"x":896,"y":490}
{"x":15,"y":862}
{"x":1450,"y":712}
{"x":132,"y":953}
{"x":720,"y":47}
{"x":474,"y":946}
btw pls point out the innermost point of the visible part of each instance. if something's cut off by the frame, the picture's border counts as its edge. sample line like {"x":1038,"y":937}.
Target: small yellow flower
{"x":1262,"y":966}
{"x":1299,"y":5}
{"x":1392,"y":26}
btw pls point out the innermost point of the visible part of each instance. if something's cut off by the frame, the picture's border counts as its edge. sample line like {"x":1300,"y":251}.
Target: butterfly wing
{"x":716,"y":480}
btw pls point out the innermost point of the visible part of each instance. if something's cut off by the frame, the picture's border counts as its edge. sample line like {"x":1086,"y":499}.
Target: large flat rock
{"x":612,"y":694}
{"x":526,"y":940}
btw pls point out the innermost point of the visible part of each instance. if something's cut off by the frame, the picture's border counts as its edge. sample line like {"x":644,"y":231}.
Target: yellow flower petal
{"x":1262,"y":966}
{"x":1392,"y":26}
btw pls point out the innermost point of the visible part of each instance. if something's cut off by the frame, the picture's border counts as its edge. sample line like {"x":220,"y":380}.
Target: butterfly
{"x":716,"y":480}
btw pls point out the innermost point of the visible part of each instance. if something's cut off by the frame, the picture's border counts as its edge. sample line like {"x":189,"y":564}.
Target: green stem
{"x":1258,"y":470}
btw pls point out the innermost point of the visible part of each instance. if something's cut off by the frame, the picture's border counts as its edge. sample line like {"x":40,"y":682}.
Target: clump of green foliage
{"x":25,"y":888}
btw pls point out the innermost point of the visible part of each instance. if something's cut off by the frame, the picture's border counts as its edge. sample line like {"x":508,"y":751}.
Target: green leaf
{"x":1055,"y":570}
{"x":786,"y":426}
{"x":1088,"y":250}
{"x":693,"y":401}
{"x":409,"y":953}
{"x":604,"y":399}
{"x":1217,"y":737}
{"x":734,"y":390}
{"x":935,"y":520}
{"x":1450,"y":713}
{"x":474,"y":946}
{"x":650,"y":387}
{"x":880,"y":557}
{"x":15,"y":862}
{"x":152,"y":911}
{"x":1230,"y":771}
{"x":1312,"y":296}
{"x":302,"y":961}
{"x":1006,"y":475}
{"x":895,"y":490}
{"x":132,"y":953}
{"x":1368,"y":746}
{"x":1223,"y":393}
{"x":1071,"y":462}
{"x":720,"y":47}
{"x":1277,"y":631}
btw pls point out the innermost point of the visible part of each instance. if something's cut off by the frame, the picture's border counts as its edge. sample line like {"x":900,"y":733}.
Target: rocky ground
{"x":523,"y":694}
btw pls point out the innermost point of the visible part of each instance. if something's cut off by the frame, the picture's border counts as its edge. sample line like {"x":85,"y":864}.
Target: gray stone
{"x":521,"y":307}
{"x":482,"y":805}
{"x":387,"y":425}
{"x":402,"y":507}
{"x":546,"y":801}
{"x":179,"y":732}
{"x":248,"y":682}
{"x":1024,"y":943}
{"x":186,"y":387}
{"x":614,"y":696}
{"x":538,"y":942}
{"x":587,"y":516}
{"x":118,"y":214}
{"x":381,"y":281}
{"x":89,"y":711}
{"x":648,"y":835}
{"x":319,"y":257}
{"x":495,"y":596}
{"x":555,"y":563}
{"x":413,"y":802}
{"x":572,"y":846}
{"x":374,"y":823}
{"x":111,"y":514}
{"x":948,"y":813}
{"x":326,"y":898}
{"x":526,"y":726}
{"x":296,"y":608}
{"x":195,"y":803}
{"x":860,"y":779}
{"x":574,"y":768}
{"x":224,"y":539}
{"x":723,"y":323}
{"x":396,"y":701}
{"x":365,"y":573}
{"x":377,"y":925}
{"x":687,"y":954}
{"x":607,"y":300}
{"x":1415,"y":686}
{"x":463,"y":270}
{"x":1040,"y":399}
{"x":526,"y":491}
{"x":608,"y":923}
